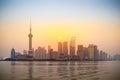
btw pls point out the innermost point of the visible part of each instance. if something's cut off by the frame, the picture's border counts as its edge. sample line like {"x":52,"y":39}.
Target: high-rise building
{"x":103,"y":56}
{"x":93,"y":52}
{"x":65,"y":49}
{"x":37,"y":53}
{"x":62,"y":50}
{"x":12,"y":53}
{"x":96,"y":54}
{"x":48,"y":55}
{"x":49,"y":47}
{"x":80,"y":52}
{"x":72,"y":47}
{"x":59,"y":47}
{"x":40,"y":53}
{"x":30,"y":51}
{"x":86,"y":54}
{"x":51,"y":54}
{"x":60,"y":53}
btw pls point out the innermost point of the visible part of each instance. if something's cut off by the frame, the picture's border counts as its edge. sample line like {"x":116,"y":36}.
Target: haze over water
{"x":59,"y":70}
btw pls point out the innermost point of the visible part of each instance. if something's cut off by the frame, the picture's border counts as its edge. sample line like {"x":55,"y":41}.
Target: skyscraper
{"x":49,"y":48}
{"x":86,"y":54}
{"x":30,"y":51}
{"x":51,"y":54}
{"x":80,"y":52}
{"x":65,"y":49}
{"x":60,"y":53}
{"x":12,"y":53}
{"x":72,"y":47}
{"x":93,"y":52}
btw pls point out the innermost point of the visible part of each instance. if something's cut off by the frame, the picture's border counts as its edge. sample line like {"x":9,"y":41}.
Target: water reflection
{"x":72,"y":71}
{"x":13,"y":70}
{"x":59,"y":70}
{"x":30,"y":70}
{"x":62,"y":70}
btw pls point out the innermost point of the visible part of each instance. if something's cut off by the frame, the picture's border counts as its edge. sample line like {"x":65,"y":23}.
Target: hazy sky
{"x":90,"y":21}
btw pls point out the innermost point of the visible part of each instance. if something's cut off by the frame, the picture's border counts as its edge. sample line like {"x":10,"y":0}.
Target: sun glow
{"x":60,"y":38}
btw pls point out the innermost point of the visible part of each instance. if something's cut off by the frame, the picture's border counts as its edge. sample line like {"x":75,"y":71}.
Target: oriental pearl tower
{"x":30,"y":51}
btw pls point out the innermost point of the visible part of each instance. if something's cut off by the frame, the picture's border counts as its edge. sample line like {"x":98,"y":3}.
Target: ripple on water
{"x":59,"y":71}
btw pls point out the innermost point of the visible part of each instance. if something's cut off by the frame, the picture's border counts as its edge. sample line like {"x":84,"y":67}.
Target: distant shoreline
{"x":29,"y":59}
{"x":52,"y":60}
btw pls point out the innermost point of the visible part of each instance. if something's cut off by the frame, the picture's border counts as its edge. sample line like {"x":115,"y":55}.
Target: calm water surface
{"x":59,"y":70}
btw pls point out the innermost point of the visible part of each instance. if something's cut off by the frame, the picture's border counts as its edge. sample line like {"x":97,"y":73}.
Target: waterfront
{"x":59,"y":70}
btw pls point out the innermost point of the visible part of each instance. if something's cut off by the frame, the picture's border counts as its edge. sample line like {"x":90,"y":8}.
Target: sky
{"x":90,"y":21}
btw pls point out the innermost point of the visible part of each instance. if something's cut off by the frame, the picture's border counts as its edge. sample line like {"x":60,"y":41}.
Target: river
{"x":59,"y":70}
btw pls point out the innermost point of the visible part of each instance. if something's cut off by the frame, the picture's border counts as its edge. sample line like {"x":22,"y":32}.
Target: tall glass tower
{"x":72,"y":47}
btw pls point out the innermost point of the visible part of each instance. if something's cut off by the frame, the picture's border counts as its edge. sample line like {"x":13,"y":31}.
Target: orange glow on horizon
{"x":105,"y":35}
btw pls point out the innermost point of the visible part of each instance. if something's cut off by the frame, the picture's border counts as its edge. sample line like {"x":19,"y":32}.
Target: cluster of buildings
{"x":64,"y":52}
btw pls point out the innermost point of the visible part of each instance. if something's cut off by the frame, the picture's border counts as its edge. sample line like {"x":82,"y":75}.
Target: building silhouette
{"x":49,"y":47}
{"x":103,"y":56}
{"x":85,"y":53}
{"x":12,"y":53}
{"x":93,"y":52}
{"x":60,"y":50}
{"x":51,"y":54}
{"x":65,"y":50}
{"x":72,"y":48}
{"x":96,"y":54}
{"x":40,"y":53}
{"x":80,"y":52}
{"x":30,"y":51}
{"x":116,"y":57}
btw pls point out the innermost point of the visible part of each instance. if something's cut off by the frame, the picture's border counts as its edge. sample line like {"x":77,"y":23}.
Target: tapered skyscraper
{"x":72,"y":47}
{"x":30,"y":51}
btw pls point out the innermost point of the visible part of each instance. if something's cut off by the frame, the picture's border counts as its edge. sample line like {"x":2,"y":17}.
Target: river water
{"x":59,"y":70}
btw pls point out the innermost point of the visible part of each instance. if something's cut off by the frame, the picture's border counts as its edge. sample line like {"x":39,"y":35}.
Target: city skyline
{"x":54,"y":21}
{"x":90,"y":53}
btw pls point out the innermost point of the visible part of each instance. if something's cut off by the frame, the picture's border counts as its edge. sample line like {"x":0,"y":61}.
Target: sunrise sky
{"x":90,"y":21}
